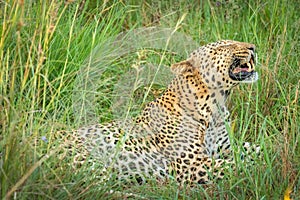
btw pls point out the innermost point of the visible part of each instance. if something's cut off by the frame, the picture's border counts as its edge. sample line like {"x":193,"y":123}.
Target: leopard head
{"x":225,"y":64}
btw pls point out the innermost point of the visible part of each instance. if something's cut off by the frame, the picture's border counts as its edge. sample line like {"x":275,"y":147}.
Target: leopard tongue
{"x":238,"y":69}
{"x":244,"y":69}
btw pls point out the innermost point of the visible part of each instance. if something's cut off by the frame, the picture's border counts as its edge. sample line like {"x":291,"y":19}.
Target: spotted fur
{"x":181,"y":134}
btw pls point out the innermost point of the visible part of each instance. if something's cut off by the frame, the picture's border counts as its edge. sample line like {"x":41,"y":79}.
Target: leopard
{"x":183,"y":134}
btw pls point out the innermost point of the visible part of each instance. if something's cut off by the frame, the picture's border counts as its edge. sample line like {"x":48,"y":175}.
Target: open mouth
{"x":243,"y":72}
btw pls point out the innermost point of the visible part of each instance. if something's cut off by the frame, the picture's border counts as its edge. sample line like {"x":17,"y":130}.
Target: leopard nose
{"x":252,"y":52}
{"x":252,"y":48}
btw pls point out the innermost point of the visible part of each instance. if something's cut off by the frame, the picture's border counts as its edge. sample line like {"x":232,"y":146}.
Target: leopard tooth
{"x":252,"y":64}
{"x":249,"y":67}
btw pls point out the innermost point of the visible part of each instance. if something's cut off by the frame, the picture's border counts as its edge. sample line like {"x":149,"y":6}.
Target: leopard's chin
{"x":244,"y":76}
{"x":251,"y":77}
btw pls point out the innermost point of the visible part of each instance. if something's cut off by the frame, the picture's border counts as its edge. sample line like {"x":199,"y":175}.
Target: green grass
{"x":43,"y":47}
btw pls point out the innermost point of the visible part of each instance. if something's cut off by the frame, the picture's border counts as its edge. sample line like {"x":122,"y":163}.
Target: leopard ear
{"x":182,"y":67}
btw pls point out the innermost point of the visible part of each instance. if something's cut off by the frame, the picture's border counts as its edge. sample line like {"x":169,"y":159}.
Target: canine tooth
{"x":249,"y":67}
{"x":252,"y":64}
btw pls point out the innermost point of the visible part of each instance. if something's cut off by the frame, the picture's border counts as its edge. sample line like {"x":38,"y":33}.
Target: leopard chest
{"x":216,"y":136}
